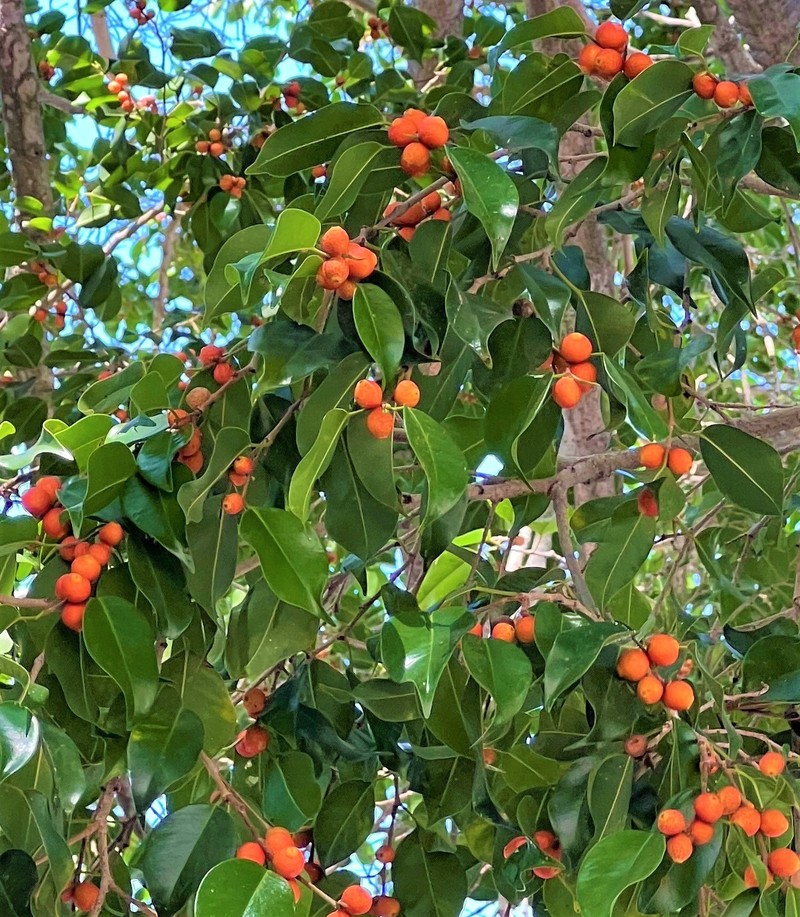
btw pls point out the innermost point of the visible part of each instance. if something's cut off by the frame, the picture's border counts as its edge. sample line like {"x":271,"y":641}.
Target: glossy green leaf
{"x":109,"y":467}
{"x":229,"y":443}
{"x":609,"y":795}
{"x":441,"y":460}
{"x":203,"y":691}
{"x":428,"y":883}
{"x":524,"y":769}
{"x":573,"y":653}
{"x":380,"y":327}
{"x":315,"y":461}
{"x":159,"y":577}
{"x":19,"y":738}
{"x":502,"y":670}
{"x":776,"y":94}
{"x":746,"y":469}
{"x":240,"y":888}
{"x":17,"y":881}
{"x":615,"y":863}
{"x":649,"y":100}
{"x":624,"y":549}
{"x":345,"y":820}
{"x":292,"y":793}
{"x":347,"y":177}
{"x":575,"y":202}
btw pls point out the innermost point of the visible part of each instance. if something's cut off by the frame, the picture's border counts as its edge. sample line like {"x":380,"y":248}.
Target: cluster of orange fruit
{"x":117,"y":84}
{"x":520,"y":629}
{"x":44,"y":274}
{"x":254,"y":740}
{"x":549,"y":845}
{"x":291,"y":97}
{"x":39,"y":314}
{"x":369,"y":396}
{"x":345,"y":264}
{"x":83,"y":895}
{"x":212,"y":355}
{"x":725,"y":93}
{"x":608,"y":55}
{"x":417,"y":134}
{"x":190,"y":454}
{"x":239,"y":474}
{"x":634,"y":665}
{"x":578,"y":374}
{"x":233,"y":184}
{"x":377,"y":27}
{"x":140,"y":13}
{"x":429,"y":207}
{"x":654,"y":456}
{"x":46,"y":70}
{"x":214,"y":146}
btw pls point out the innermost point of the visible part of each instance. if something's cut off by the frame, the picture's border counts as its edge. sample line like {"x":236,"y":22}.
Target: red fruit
{"x":647,"y":503}
{"x":355,"y":900}
{"x":402,"y":131}
{"x":586,"y":374}
{"x":611,"y":35}
{"x":385,"y":853}
{"x":772,"y":764}
{"x":87,"y":567}
{"x":54,"y":526}
{"x":744,"y":94}
{"x":751,"y":880}
{"x":73,"y":588}
{"x":746,"y":818}
{"x":670,"y":822}
{"x":636,"y":63}
{"x":253,"y":741}
{"x":360,"y":261}
{"x":243,"y":465}
{"x":210,"y":354}
{"x":708,"y":807}
{"x":608,"y":63}
{"x":255,"y":701}
{"x":513,"y":846}
{"x":773,"y":823}
{"x":575,"y":348}
{"x":415,"y":160}
{"x":406,"y":394}
{"x":252,"y":851}
{"x":50,"y":484}
{"x":335,"y":241}
{"x":72,"y":615}
{"x":704,"y":85}
{"x":111,"y":534}
{"x":652,"y":455}
{"x":66,"y":549}
{"x":566,"y":392}
{"x":679,"y":461}
{"x":663,"y":649}
{"x":333,"y":273}
{"x":726,"y":95}
{"x":288,"y":862}
{"x":85,"y":895}
{"x":233,"y":504}
{"x":587,"y":59}
{"x":380,"y":423}
{"x":368,"y":394}
{"x":319,"y":172}
{"x":223,"y":372}
{"x":347,"y":290}
{"x":277,"y":839}
{"x":679,"y":848}
{"x":730,"y":798}
{"x":783,"y":863}
{"x":433,"y":132}
{"x":37,"y":502}
{"x":504,"y":631}
{"x":525,"y":629}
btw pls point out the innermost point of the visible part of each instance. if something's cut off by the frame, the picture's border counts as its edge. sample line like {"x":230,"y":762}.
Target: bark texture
{"x":22,"y":119}
{"x":769,"y":27}
{"x":449,"y":18}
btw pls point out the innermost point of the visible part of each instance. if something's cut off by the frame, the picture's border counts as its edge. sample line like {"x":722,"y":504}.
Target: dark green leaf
{"x":441,"y":460}
{"x":615,"y":863}
{"x":240,"y":888}
{"x":747,"y":470}
{"x":345,"y":821}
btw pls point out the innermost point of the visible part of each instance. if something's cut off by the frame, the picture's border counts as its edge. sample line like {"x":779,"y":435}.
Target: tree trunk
{"x":22,"y":119}
{"x":769,"y":27}
{"x":449,"y":18}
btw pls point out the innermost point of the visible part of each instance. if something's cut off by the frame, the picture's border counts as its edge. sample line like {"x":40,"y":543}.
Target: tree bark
{"x":726,"y":43}
{"x":770,"y":28}
{"x":449,"y":18}
{"x":22,"y":119}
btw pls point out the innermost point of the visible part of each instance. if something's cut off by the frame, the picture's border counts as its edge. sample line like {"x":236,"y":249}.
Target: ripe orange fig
{"x":253,"y":741}
{"x":385,"y":906}
{"x":406,"y":394}
{"x":678,"y":695}
{"x":503,"y":631}
{"x":608,"y":64}
{"x":243,"y":465}
{"x":652,"y":455}
{"x":730,"y":798}
{"x":361,"y":261}
{"x":773,"y":823}
{"x":546,"y":872}
{"x":726,"y":95}
{"x":385,"y":853}
{"x":402,"y":131}
{"x":670,"y":822}
{"x":85,"y":895}
{"x":368,"y":394}
{"x":751,"y":880}
{"x":525,"y":629}
{"x":252,"y":851}
{"x":347,"y":290}
{"x":586,"y":374}
{"x":433,"y":132}
{"x":611,"y":35}
{"x":210,"y":354}
{"x":73,"y":588}
{"x":415,"y":159}
{"x":647,"y":502}
{"x":406,"y":233}
{"x":636,"y":746}
{"x":111,"y":534}
{"x":37,"y":502}
{"x":679,"y":848}
{"x":332,"y":273}
{"x":50,"y":484}
{"x":679,"y":461}
{"x":355,"y":900}
{"x":335,"y":241}
{"x":636,"y":63}
{"x":380,"y":423}
{"x":704,"y":85}
{"x":101,"y":553}
{"x":197,"y":397}
{"x":476,"y":630}
{"x":744,"y":94}
{"x":746,"y":818}
{"x":232,"y":504}
{"x":87,"y":567}
{"x":701,"y":832}
{"x":288,"y":862}
{"x":663,"y":649}
{"x":650,"y":689}
{"x":431,"y":202}
{"x":633,"y":664}
{"x":255,"y":701}
{"x":66,"y":549}
{"x":319,"y":172}
{"x":55,"y":524}
{"x":442,"y":214}
{"x":566,"y":392}
{"x":708,"y":808}
{"x":276,"y":839}
{"x":772,"y":764}
{"x":72,"y":616}
{"x":575,"y":348}
{"x":783,"y":863}
{"x":587,"y":59}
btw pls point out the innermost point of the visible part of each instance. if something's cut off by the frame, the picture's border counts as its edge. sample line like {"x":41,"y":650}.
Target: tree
{"x":399,"y":461}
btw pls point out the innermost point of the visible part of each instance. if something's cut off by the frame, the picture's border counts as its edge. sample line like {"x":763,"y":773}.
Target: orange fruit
{"x":663,"y":649}
{"x":678,"y":695}
{"x":54,"y":526}
{"x":608,"y":63}
{"x":783,"y":863}
{"x":101,"y":553}
{"x":232,"y":504}
{"x":708,"y":807}
{"x":525,"y":629}
{"x":575,"y":348}
{"x":433,"y":132}
{"x":406,"y":393}
{"x":636,"y":746}
{"x":772,"y":764}
{"x":87,"y":567}
{"x":50,"y":484}
{"x":253,"y":741}
{"x":566,"y":392}
{"x":546,"y":872}
{"x":255,"y":701}
{"x":73,"y":588}
{"x":650,"y":689}
{"x":611,"y":35}
{"x":385,"y":853}
{"x":730,"y":798}
{"x":679,"y":848}
{"x":277,"y":839}
{"x":633,"y":664}
{"x":66,"y":549}
{"x":726,"y":94}
{"x":347,"y":290}
{"x":652,"y":455}
{"x":335,"y":241}
{"x":489,"y":756}
{"x":415,"y":159}
{"x":37,"y":501}
{"x":402,"y":131}
{"x":355,"y":900}
{"x":210,"y":354}
{"x":368,"y":394}
{"x":746,"y":818}
{"x":587,"y":59}
{"x":773,"y":823}
{"x":332,"y":273}
{"x":636,"y":63}
{"x":288,"y":862}
{"x":701,"y":832}
{"x":704,"y":85}
{"x":385,"y":906}
{"x":85,"y":895}
{"x":252,"y":851}
{"x":361,"y":261}
{"x":111,"y":534}
{"x":586,"y":373}
{"x":750,"y":879}
{"x":319,"y":172}
{"x":513,"y":846}
{"x":744,"y":94}
{"x":670,"y":822}
{"x":679,"y":461}
{"x":380,"y":423}
{"x":545,"y":840}
{"x":243,"y":465}
{"x":476,"y":629}
{"x":72,"y":616}
{"x":503,"y":631}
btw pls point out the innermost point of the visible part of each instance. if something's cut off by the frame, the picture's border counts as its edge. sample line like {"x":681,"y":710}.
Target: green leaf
{"x":661,"y":203}
{"x":18,"y":879}
{"x":774,"y":661}
{"x":610,"y":786}
{"x":240,"y":888}
{"x":650,"y":100}
{"x":473,"y":318}
{"x":108,"y":469}
{"x":314,"y":462}
{"x":388,"y":700}
{"x":314,"y":139}
{"x":427,"y":884}
{"x":642,"y":416}
{"x":188,"y":44}
{"x":563,"y":22}
{"x":162,"y":748}
{"x":511,"y":429}
{"x":441,"y":460}
{"x":19,"y":738}
{"x":180,"y":850}
{"x":344,"y":821}
{"x":615,"y":863}
{"x":416,"y":647}
{"x":292,"y":557}
{"x":160,"y":578}
{"x":625,"y":546}
{"x":220,"y":295}
{"x":84,"y":437}
{"x":346,"y":179}
{"x":335,"y":391}
{"x":292,"y":794}
{"x":575,"y":202}
{"x":524,"y":769}
{"x":502,"y":670}
{"x":214,"y":546}
{"x":380,"y":327}
{"x":294,"y":231}
{"x":489,"y":194}
{"x":106,"y":395}
{"x":121,"y":641}
{"x":203,"y":691}
{"x":747,"y":470}
{"x":776,"y":94}
{"x":572,"y":655}
{"x":606,"y":322}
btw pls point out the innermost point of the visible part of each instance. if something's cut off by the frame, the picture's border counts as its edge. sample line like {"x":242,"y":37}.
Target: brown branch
{"x":40,"y":604}
{"x":102,"y":36}
{"x":132,"y":902}
{"x":100,"y":819}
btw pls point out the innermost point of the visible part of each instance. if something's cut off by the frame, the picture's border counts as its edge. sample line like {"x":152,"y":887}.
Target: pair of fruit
{"x":549,"y":845}
{"x":725,"y":93}
{"x":654,"y":456}
{"x":634,"y":665}
{"x":607,"y":55}
{"x":574,"y":351}
{"x":417,"y":134}
{"x":39,"y":314}
{"x":233,"y":184}
{"x":214,"y":146}
{"x":291,"y":96}
{"x":377,"y":27}
{"x":212,"y":355}
{"x":346,"y":263}
{"x":429,"y":207}
{"x":241,"y":469}
{"x":140,"y":13}
{"x":521,"y":629}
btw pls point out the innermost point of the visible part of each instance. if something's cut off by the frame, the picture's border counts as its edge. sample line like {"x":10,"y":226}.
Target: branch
{"x":167,"y":252}
{"x":100,"y":820}
{"x":40,"y":604}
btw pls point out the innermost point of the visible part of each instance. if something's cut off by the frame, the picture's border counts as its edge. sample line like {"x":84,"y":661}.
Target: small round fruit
{"x":253,"y":741}
{"x":335,"y":241}
{"x":704,"y":85}
{"x":783,"y":863}
{"x":385,"y":854}
{"x":679,"y":461}
{"x":406,"y":393}
{"x":223,"y":373}
{"x":608,"y":64}
{"x":385,"y":906}
{"x":611,"y":35}
{"x":750,"y":878}
{"x":66,"y":549}
{"x":37,"y":502}
{"x":730,"y":798}
{"x":243,"y":465}
{"x":545,"y":841}
{"x":72,"y":615}
{"x":85,"y":895}
{"x":101,"y":553}
{"x":503,"y":631}
{"x":210,"y":354}
{"x":652,"y":455}
{"x":636,"y":746}
{"x":744,"y":94}
{"x":587,"y":59}
{"x":546,"y":872}
{"x":647,"y":502}
{"x":633,"y":664}
{"x":415,"y":159}
{"x":726,"y":94}
{"x":525,"y":629}
{"x":55,"y":524}
{"x":679,"y":848}
{"x":586,"y":374}
{"x":636,"y":63}
{"x":73,"y":588}
{"x":575,"y":348}
{"x":361,"y":261}
{"x":288,"y":862}
{"x":276,"y":839}
{"x":402,"y":131}
{"x":355,"y":900}
{"x":197,"y":397}
{"x":670,"y":822}
{"x":332,"y":273}
{"x":476,"y":630}
{"x":255,"y":701}
{"x":701,"y":832}
{"x":708,"y":808}
{"x":748,"y":819}
{"x":252,"y":851}
{"x":50,"y":484}
{"x":347,"y":290}
{"x":772,"y":764}
{"x":111,"y":534}
{"x":303,"y":838}
{"x":314,"y":872}
{"x":650,"y":689}
{"x":773,"y":823}
{"x":380,"y":423}
{"x":368,"y":394}
{"x":87,"y":567}
{"x":513,"y":846}
{"x":678,"y":695}
{"x":566,"y":392}
{"x":433,"y":132}
{"x":232,"y":504}
{"x":663,"y":649}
